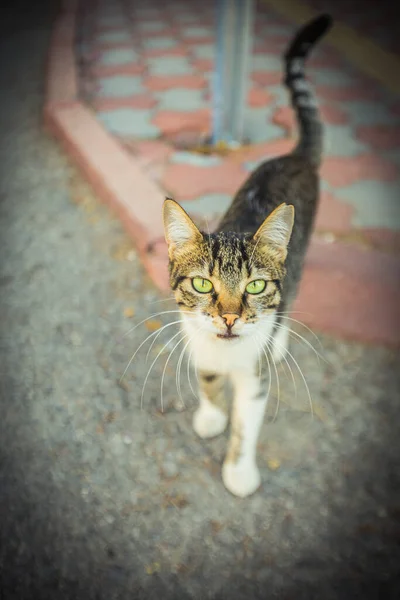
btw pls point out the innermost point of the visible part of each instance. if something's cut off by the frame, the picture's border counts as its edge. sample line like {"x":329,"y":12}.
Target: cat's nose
{"x":230,"y":319}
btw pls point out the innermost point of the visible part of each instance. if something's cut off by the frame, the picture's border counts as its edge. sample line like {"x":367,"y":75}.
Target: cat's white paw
{"x":280,"y":345}
{"x":241,"y":478}
{"x":209,"y":421}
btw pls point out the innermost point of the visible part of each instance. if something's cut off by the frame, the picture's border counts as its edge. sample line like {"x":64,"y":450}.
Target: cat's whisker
{"x":165,"y":312}
{"x":178,"y":370}
{"x":290,"y":370}
{"x":304,"y":381}
{"x":165,"y":368}
{"x":155,"y":333}
{"x":159,"y":332}
{"x":153,"y":363}
{"x":303,"y":339}
{"x":270,"y":340}
{"x":188,"y":375}
{"x":303,"y":325}
{"x":169,"y":299}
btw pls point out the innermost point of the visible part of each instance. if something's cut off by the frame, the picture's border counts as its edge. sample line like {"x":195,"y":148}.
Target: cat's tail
{"x":303,"y":100}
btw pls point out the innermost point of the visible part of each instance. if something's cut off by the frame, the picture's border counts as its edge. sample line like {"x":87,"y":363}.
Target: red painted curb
{"x":346,"y":290}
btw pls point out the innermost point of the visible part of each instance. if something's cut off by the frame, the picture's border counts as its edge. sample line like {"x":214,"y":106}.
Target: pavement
{"x":105,"y":496}
{"x":129,"y":93}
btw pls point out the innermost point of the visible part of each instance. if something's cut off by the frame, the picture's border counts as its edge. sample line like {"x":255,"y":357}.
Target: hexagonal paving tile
{"x":128,"y":122}
{"x":120,"y":85}
{"x":118,"y":56}
{"x":169,"y":65}
{"x":181,"y":99}
{"x":376,"y":203}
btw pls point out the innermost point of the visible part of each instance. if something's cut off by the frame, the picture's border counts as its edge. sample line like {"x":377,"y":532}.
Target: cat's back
{"x":290,"y":179}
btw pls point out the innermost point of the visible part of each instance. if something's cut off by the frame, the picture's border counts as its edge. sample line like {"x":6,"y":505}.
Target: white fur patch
{"x":296,"y":66}
{"x":301,"y":85}
{"x":306,"y":101}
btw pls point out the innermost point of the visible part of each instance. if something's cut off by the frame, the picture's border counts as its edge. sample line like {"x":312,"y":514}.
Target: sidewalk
{"x":145,"y":72}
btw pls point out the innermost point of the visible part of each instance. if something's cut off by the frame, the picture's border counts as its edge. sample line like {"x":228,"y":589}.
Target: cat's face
{"x":227,"y":284}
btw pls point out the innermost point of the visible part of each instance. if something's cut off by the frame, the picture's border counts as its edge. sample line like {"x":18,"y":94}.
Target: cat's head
{"x":227,"y":283}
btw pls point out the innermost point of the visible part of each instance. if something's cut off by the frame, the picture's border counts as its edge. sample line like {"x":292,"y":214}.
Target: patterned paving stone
{"x":204,"y":51}
{"x":137,"y":101}
{"x":159,"y":43}
{"x":196,"y":32}
{"x":275,"y":29}
{"x":333,"y":216}
{"x":171,"y":122}
{"x":120,"y":85}
{"x":118,"y":56}
{"x":341,"y":142}
{"x":114,"y":37}
{"x":279,"y":93}
{"x":196,"y":159}
{"x":267,"y":78}
{"x":170,"y":65}
{"x":348,"y":93}
{"x":369,"y":212}
{"x":380,"y":137}
{"x":341,"y":171}
{"x":370,"y":113}
{"x":149,"y":26}
{"x":127,"y":122}
{"x":265,"y":62}
{"x":258,"y":97}
{"x":159,"y":83}
{"x":188,"y":181}
{"x":207,"y":207}
{"x":258,"y":126}
{"x":181,"y":99}
{"x":330,"y":77}
{"x":116,"y":21}
{"x":189,"y":18}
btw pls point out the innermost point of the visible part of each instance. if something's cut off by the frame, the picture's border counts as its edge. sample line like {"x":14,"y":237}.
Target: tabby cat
{"x":233,"y":285}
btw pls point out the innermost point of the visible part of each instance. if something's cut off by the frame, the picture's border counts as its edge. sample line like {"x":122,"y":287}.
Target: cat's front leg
{"x":239,"y":472}
{"x":209,"y":419}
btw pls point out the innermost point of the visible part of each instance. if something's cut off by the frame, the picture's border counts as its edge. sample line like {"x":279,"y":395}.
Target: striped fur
{"x":303,"y":100}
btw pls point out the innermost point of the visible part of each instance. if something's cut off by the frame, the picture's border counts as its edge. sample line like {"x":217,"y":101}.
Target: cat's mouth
{"x":228,"y":335}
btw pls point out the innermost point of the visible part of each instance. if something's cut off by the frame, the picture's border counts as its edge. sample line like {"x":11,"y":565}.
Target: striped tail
{"x":310,"y":143}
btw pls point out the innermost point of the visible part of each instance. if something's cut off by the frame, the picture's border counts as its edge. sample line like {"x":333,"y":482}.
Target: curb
{"x":113,"y":172}
{"x":346,"y":290}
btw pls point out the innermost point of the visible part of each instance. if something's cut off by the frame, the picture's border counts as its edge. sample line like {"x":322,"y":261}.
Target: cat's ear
{"x":276,"y":230}
{"x":178,"y":226}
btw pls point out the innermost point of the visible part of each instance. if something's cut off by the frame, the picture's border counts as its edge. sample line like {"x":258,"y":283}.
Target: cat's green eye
{"x":203,"y":286}
{"x":256,"y":287}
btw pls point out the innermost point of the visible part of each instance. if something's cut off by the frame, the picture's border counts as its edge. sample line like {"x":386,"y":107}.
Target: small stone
{"x":153,"y":324}
{"x":129,"y":312}
{"x":153,"y":568}
{"x":131,"y":256}
{"x":127,"y":440}
{"x":76,"y":339}
{"x":109,"y":519}
{"x":170,"y":469}
{"x":273,"y":464}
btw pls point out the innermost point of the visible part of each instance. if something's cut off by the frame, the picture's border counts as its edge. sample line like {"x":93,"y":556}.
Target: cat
{"x":233,"y":285}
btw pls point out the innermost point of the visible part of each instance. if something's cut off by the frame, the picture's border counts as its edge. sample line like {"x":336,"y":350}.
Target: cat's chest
{"x":222,"y":356}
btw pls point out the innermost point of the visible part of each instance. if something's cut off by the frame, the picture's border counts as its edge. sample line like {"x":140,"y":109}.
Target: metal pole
{"x":233,"y":52}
